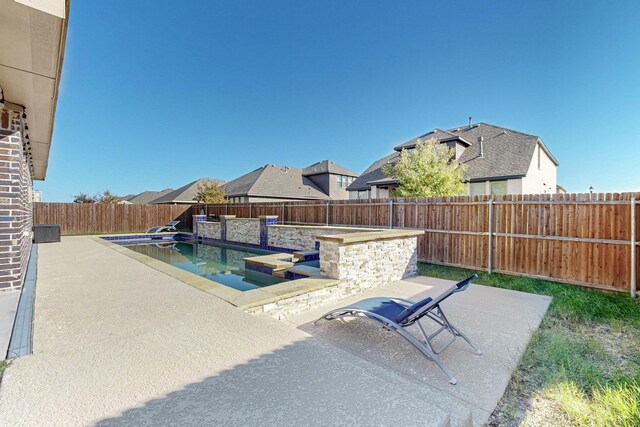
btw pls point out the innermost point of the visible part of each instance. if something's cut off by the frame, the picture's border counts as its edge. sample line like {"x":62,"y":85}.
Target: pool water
{"x":217,"y":262}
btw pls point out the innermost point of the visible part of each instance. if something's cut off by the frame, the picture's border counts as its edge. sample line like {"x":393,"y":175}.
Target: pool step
{"x":304,"y":270}
{"x":312,"y":255}
{"x":281,"y":273}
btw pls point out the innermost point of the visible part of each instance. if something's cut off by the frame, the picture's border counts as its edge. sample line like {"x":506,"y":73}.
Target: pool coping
{"x":242,"y":299}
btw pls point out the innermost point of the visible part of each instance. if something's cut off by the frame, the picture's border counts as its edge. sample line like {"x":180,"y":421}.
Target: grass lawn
{"x":582,"y":367}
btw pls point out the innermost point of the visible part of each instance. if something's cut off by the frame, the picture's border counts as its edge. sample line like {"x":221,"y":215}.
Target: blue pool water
{"x":218,"y":262}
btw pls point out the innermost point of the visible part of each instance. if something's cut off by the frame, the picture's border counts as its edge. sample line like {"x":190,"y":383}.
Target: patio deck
{"x":119,"y":343}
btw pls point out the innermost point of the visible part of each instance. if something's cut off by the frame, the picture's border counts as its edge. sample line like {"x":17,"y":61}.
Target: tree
{"x":209,"y":192}
{"x":107,"y":198}
{"x":83,"y":198}
{"x":427,"y":171}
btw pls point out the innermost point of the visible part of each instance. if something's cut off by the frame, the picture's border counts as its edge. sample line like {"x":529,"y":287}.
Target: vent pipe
{"x":469,"y":122}
{"x":481,"y":141}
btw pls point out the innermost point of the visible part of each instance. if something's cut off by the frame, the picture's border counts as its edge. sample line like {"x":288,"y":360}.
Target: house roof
{"x":373,"y":173}
{"x":507,"y":153}
{"x":276,"y":182}
{"x":184,"y":194}
{"x":327,"y":166}
{"x":438,"y":134}
{"x":147,"y":196}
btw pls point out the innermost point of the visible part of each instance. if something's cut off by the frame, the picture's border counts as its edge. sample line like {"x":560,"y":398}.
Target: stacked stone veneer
{"x":364,"y":265}
{"x":266,"y":233}
{"x":209,"y":230}
{"x":243,"y":230}
{"x":303,"y":237}
{"x":15,"y":202}
{"x":357,"y":267}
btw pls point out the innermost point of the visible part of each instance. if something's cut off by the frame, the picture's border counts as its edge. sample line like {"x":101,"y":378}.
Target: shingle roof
{"x":147,"y":196}
{"x":373,"y":173}
{"x":439,"y":134}
{"x":274,"y":181}
{"x":184,"y":194}
{"x":507,"y":153}
{"x":327,"y":166}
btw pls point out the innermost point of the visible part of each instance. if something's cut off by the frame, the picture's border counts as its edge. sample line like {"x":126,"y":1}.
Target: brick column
{"x":15,"y":202}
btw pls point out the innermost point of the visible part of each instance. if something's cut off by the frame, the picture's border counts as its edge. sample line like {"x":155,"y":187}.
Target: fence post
{"x":226,"y":208}
{"x":391,"y":213}
{"x":250,"y":211}
{"x":282,"y":220}
{"x":633,"y":247}
{"x":328,"y":203}
{"x":490,"y":255}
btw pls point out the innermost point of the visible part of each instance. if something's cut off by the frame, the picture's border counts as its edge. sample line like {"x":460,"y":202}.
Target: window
{"x":344,"y":181}
{"x":363,"y":194}
{"x":498,"y":188}
{"x":477,"y":189}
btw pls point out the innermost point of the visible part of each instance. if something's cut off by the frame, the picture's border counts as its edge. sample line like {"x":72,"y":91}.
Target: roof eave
{"x":496,"y":178}
{"x":546,"y":150}
{"x":449,"y":139}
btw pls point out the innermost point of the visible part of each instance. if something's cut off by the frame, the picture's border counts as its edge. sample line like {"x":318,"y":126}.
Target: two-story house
{"x":498,"y":160}
{"x":323,"y":180}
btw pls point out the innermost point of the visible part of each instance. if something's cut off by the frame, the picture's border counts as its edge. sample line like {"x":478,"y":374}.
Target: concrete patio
{"x":119,"y":343}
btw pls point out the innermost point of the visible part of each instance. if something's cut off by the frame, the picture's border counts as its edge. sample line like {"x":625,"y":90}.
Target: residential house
{"x":185,"y":194}
{"x":144,"y":198}
{"x":32,"y":42}
{"x":324,"y":180}
{"x":499,"y":161}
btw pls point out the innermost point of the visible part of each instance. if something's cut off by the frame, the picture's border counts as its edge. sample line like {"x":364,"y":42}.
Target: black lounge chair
{"x":395,"y":314}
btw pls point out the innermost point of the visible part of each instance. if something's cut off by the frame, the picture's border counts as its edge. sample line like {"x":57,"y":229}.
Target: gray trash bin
{"x":46,"y":233}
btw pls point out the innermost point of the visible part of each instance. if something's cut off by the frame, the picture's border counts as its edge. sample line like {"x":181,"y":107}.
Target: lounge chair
{"x":170,"y":227}
{"x":395,"y":314}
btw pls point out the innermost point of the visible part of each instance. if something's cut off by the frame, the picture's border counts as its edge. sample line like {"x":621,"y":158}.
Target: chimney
{"x":481,"y":141}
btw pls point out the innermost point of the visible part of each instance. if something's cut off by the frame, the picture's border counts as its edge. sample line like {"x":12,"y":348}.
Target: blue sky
{"x":157,"y":94}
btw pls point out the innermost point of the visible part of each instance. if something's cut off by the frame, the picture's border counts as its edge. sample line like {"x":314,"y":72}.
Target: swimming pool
{"x":217,"y":262}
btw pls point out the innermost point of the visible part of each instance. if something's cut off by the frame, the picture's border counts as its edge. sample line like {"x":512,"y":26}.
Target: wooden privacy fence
{"x":585,"y":239}
{"x":86,"y":218}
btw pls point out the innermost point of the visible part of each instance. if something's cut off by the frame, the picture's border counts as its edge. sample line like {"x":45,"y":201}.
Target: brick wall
{"x":15,"y":201}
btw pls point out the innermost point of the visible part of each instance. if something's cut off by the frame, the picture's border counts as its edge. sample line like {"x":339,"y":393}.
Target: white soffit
{"x":31,"y":51}
{"x":52,"y":7}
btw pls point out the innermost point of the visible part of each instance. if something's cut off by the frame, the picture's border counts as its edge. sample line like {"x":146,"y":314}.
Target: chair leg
{"x":458,"y":332}
{"x":440,"y":318}
{"x":424,"y":348}
{"x":464,"y":337}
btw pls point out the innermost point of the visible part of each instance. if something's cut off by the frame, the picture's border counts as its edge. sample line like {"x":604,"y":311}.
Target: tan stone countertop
{"x":271,"y":260}
{"x":369,"y":236}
